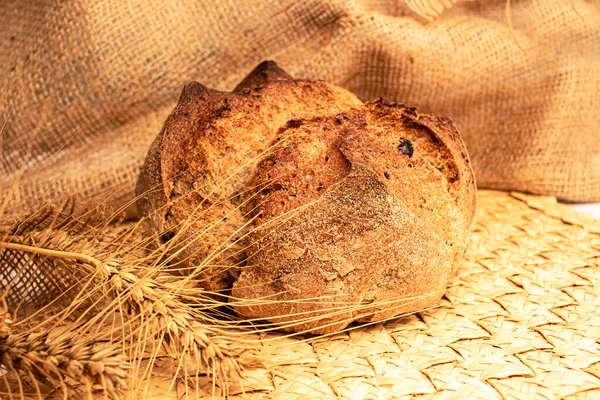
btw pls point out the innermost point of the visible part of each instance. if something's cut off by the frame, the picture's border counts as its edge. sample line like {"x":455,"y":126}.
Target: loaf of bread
{"x":306,"y":206}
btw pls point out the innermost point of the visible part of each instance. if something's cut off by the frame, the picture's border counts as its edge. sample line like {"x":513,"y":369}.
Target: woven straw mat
{"x":520,"y":320}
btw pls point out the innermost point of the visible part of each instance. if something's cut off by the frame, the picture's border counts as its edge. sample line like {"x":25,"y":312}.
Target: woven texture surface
{"x":520,"y":320}
{"x":87,"y":84}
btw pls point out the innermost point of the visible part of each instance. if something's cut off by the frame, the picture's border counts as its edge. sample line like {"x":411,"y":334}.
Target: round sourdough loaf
{"x":309,"y":207}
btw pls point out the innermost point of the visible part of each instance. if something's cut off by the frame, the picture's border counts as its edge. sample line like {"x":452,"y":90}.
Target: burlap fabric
{"x":86,"y":85}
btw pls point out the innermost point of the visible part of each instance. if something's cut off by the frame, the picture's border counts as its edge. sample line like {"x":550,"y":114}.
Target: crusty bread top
{"x":275,"y":150}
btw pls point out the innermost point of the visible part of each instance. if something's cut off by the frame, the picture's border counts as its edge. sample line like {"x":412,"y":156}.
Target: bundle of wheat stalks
{"x":101,"y":313}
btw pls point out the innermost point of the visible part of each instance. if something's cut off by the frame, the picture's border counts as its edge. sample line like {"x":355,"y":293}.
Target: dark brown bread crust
{"x":362,"y":208}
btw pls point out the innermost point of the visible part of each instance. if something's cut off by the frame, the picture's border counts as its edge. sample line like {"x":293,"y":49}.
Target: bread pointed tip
{"x":265,"y":72}
{"x":192,"y":91}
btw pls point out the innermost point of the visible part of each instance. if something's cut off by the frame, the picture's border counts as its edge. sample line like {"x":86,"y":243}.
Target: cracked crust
{"x":364,"y":209}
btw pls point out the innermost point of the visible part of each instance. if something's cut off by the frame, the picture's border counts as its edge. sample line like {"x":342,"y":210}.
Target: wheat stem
{"x":51,"y":253}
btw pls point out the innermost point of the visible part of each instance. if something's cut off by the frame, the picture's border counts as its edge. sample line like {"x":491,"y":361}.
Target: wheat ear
{"x":55,"y":356}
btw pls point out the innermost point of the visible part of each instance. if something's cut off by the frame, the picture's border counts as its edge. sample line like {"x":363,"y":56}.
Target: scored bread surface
{"x":295,"y":192}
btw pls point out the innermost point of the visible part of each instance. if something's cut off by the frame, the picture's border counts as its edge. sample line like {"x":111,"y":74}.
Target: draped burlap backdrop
{"x":86,"y":85}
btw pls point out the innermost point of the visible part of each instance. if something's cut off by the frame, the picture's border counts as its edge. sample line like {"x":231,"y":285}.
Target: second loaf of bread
{"x":312,"y":207}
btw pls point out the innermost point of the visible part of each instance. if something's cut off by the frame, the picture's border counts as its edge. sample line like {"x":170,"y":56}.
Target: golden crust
{"x":351,"y":211}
